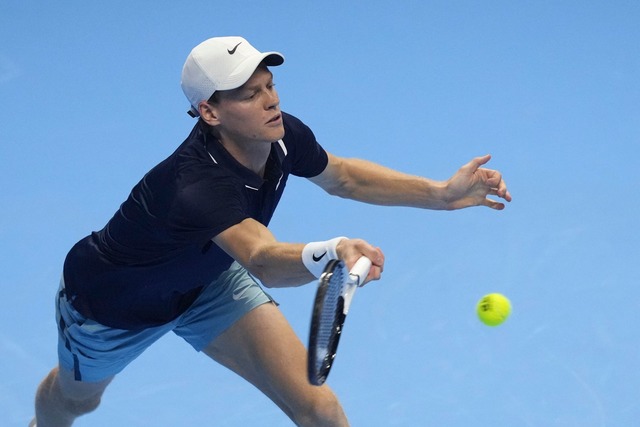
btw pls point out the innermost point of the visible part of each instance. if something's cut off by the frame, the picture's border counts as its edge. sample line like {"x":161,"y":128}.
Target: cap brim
{"x":246,"y":68}
{"x":273,"y":59}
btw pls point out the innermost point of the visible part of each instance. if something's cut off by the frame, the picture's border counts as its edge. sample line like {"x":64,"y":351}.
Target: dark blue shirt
{"x":151,"y":260}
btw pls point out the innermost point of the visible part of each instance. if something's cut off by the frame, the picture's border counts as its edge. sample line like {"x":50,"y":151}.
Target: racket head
{"x":326,"y":321}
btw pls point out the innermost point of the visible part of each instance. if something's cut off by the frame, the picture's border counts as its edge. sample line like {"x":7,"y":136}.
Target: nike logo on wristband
{"x":318,"y":258}
{"x":232,"y":51}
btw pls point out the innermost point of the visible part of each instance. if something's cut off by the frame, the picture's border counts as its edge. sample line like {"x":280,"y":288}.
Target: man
{"x":181,"y":252}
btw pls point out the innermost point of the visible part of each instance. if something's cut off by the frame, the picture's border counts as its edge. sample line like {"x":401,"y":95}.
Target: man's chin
{"x":278,"y":135}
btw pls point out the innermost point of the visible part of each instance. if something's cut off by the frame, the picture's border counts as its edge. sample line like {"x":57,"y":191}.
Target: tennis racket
{"x":333,"y":298}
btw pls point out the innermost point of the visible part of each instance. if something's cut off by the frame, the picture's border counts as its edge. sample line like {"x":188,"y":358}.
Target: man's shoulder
{"x":295,"y":128}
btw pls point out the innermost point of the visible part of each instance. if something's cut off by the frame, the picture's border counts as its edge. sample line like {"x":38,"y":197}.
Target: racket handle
{"x":360,"y":270}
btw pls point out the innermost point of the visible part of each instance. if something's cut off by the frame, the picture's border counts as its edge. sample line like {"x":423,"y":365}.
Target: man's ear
{"x":208,"y":113}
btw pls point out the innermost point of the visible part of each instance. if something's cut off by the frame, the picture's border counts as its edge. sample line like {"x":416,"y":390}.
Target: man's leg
{"x":60,"y":399}
{"x":263,"y":348}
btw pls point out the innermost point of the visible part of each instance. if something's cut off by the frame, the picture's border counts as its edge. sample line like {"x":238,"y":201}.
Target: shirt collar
{"x":219,"y":155}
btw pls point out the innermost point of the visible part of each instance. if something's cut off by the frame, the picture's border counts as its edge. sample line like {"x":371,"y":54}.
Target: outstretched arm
{"x":372,"y":183}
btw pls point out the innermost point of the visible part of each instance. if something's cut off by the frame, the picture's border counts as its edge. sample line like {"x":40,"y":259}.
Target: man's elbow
{"x":260,"y":269}
{"x":267,"y":280}
{"x":339,"y":189}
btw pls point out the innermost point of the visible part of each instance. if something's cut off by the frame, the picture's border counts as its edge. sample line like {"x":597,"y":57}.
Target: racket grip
{"x":360,"y":270}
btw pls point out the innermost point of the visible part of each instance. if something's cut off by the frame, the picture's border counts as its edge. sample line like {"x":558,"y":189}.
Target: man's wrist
{"x":316,"y":255}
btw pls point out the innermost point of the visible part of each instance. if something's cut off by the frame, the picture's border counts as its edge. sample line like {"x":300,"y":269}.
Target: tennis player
{"x":181,"y":253}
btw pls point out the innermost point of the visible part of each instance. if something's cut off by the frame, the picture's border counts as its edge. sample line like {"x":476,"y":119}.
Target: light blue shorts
{"x":95,"y":352}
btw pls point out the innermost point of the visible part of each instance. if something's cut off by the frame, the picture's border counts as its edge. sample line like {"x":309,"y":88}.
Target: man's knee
{"x":72,"y":397}
{"x":323,"y":409}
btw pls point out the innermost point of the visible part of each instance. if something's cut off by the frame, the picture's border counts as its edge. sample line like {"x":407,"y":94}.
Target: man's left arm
{"x":372,"y":183}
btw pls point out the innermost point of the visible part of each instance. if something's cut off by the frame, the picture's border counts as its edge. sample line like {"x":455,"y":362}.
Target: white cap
{"x":221,"y":63}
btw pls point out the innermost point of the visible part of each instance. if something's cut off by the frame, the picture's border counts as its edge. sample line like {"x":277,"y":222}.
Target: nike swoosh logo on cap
{"x":318,"y":258}
{"x":232,"y":51}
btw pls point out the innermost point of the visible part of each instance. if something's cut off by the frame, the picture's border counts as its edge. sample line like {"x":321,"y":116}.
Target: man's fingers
{"x":504,"y":193}
{"x":500,"y":192}
{"x":475,"y":164}
{"x":500,"y":187}
{"x":493,"y":204}
{"x":479,"y":161}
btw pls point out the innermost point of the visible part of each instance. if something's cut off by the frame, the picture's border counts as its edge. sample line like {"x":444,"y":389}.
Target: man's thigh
{"x":94,"y":352}
{"x":219,"y":306}
{"x":263,"y":348}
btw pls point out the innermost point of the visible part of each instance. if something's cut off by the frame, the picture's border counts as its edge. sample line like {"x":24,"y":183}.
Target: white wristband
{"x":316,"y":255}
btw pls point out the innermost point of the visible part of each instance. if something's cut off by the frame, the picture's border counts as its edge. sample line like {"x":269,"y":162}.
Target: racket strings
{"x":333,"y":297}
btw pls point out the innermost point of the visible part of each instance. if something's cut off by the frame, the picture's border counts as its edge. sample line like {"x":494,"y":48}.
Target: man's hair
{"x":214,"y":99}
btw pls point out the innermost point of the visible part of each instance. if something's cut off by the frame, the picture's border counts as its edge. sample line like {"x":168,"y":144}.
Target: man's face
{"x":250,"y":113}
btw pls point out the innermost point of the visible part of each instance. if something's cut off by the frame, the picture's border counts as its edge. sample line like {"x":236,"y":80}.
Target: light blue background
{"x":90,"y":100}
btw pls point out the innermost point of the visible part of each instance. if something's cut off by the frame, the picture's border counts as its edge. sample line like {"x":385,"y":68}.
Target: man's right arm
{"x":279,"y":264}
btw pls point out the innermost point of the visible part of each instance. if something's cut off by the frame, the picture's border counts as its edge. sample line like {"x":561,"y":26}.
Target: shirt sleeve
{"x":308,"y":157}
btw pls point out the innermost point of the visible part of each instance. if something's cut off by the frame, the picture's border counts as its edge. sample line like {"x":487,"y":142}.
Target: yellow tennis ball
{"x":493,"y":309}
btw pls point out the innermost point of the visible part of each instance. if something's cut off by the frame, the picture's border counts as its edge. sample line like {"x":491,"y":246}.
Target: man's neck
{"x":252,"y":155}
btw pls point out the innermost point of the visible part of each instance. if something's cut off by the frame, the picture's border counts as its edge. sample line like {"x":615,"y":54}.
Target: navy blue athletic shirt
{"x":149,"y":263}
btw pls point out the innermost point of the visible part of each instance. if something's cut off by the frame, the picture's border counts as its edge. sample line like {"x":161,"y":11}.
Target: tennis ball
{"x":493,"y":309}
